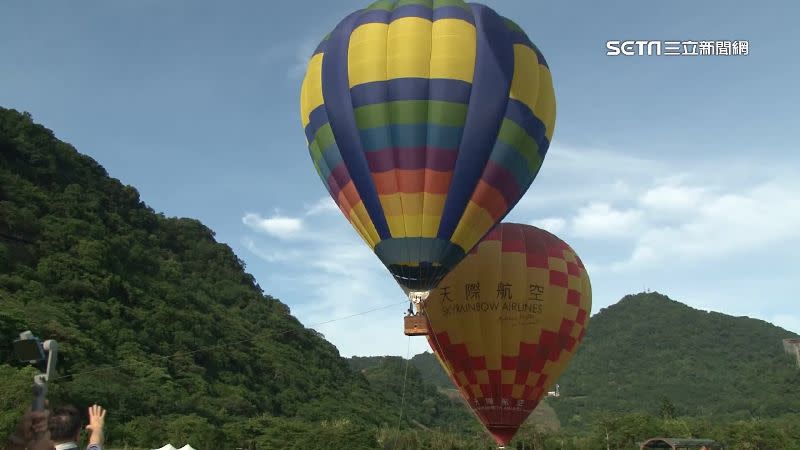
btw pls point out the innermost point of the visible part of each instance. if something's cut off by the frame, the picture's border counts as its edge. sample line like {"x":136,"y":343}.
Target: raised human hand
{"x":97,"y":420}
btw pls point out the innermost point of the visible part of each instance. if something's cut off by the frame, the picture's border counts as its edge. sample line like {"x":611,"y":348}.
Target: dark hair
{"x":64,"y":424}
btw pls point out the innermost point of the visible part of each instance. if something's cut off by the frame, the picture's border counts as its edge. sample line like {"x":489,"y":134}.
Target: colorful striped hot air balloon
{"x":506,"y":322}
{"x":427,"y":121}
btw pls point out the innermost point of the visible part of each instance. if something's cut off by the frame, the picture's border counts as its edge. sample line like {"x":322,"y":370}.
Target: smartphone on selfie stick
{"x":43,"y":355}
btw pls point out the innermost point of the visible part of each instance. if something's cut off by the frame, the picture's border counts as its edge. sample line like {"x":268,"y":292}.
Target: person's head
{"x":65,"y":424}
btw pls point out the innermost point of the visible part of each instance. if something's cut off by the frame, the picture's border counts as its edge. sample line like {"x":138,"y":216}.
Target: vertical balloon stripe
{"x":335,"y":89}
{"x":395,"y":135}
{"x":503,"y":172}
{"x":409,"y":56}
{"x":526,"y":86}
{"x":325,"y":154}
{"x":336,"y":179}
{"x":453,"y":57}
{"x":494,"y":69}
{"x":367,"y":61}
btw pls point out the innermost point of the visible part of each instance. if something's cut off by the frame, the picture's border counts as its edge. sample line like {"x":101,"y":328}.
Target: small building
{"x":681,"y":444}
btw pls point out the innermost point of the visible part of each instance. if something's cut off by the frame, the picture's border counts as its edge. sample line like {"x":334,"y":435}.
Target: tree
{"x":667,"y":409}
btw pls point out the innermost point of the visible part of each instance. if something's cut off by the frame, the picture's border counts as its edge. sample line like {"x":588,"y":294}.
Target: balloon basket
{"x":415,"y":325}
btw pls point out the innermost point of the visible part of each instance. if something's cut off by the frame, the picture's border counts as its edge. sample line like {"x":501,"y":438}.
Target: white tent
{"x":170,"y":447}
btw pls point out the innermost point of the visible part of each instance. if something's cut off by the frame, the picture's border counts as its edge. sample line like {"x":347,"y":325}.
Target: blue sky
{"x":676,"y":174}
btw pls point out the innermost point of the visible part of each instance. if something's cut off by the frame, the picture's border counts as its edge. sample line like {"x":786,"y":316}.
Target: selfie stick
{"x":40,"y":380}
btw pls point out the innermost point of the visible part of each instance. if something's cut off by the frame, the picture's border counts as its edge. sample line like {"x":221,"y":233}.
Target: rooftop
{"x":680,"y":443}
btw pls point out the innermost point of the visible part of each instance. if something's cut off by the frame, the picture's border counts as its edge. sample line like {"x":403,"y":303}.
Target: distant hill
{"x":647,"y":348}
{"x":648,"y":351}
{"x":431,"y":376}
{"x":426,"y":363}
{"x":431,"y":370}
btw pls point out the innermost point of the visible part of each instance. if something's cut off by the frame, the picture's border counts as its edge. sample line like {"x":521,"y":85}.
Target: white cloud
{"x":552,"y":224}
{"x":719,"y":225}
{"x":601,"y":220}
{"x":322,"y":206}
{"x":664,"y":210}
{"x":279,"y":226}
{"x":673,"y":197}
{"x":590,"y":162}
{"x":570,"y":176}
{"x":282,"y":255}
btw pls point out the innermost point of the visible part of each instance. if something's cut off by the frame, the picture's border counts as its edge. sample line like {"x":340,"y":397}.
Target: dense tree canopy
{"x":647,"y":348}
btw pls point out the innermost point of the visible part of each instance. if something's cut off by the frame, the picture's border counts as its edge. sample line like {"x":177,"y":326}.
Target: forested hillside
{"x":648,"y":349}
{"x":426,"y":363}
{"x":160,"y":323}
{"x":650,"y":365}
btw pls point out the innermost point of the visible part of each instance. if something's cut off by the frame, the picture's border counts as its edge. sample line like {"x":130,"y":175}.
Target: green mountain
{"x":161,"y":324}
{"x":433,"y":379}
{"x":648,"y":350}
{"x":431,"y":370}
{"x":426,"y":363}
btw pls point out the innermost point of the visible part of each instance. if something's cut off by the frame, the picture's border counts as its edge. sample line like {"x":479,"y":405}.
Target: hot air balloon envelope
{"x":507,"y":320}
{"x":427,"y":120}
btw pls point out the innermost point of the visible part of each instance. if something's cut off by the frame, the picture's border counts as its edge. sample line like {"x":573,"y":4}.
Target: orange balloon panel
{"x":505,"y":323}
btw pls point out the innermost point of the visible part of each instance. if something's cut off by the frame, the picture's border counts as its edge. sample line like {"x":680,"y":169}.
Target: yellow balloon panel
{"x":507,"y":320}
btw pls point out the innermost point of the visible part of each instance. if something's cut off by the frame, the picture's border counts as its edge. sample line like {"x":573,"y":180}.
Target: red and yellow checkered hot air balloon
{"x":507,"y":320}
{"x":427,"y":121}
